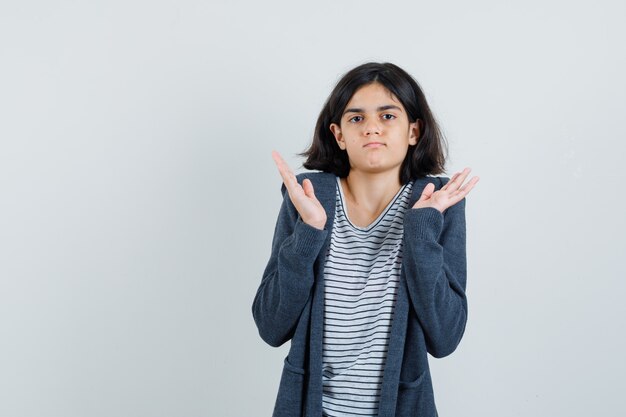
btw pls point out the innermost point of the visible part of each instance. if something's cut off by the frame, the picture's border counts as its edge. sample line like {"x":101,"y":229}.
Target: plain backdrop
{"x":138,"y":196}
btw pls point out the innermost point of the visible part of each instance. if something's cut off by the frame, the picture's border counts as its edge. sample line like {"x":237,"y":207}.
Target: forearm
{"x":435,"y":271}
{"x":287,"y":283}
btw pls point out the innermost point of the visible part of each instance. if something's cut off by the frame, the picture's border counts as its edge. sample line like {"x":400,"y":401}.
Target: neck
{"x":371,"y":191}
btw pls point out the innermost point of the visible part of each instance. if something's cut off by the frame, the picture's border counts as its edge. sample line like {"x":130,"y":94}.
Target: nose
{"x":371,"y":127}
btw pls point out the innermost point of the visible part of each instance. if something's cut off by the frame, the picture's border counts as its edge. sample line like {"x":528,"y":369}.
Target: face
{"x":375,"y":131}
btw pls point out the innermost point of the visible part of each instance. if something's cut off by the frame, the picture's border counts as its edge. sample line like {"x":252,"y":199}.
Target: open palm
{"x":302,"y":196}
{"x":449,"y":194}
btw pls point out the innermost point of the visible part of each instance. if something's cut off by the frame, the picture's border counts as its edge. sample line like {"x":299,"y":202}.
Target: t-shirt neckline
{"x":380,"y":216}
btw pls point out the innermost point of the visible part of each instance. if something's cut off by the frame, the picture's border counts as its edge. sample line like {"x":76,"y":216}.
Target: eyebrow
{"x":381,"y":108}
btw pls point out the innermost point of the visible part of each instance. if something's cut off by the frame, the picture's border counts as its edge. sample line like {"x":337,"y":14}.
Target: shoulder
{"x":443,"y":180}
{"x":421,"y":182}
{"x":316,"y":176}
{"x":320,"y":180}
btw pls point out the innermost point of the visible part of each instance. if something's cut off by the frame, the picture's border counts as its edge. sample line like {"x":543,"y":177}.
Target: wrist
{"x":318,"y":223}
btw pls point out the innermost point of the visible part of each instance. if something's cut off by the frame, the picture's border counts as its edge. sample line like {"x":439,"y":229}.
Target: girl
{"x":367,"y":272}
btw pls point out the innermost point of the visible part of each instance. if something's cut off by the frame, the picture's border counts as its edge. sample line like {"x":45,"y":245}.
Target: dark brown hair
{"x":427,"y":157}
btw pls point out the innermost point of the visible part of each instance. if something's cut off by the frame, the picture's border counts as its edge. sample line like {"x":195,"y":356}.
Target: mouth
{"x":373,"y":145}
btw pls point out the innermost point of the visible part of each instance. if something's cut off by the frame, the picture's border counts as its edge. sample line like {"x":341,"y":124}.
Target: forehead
{"x":375,"y":93}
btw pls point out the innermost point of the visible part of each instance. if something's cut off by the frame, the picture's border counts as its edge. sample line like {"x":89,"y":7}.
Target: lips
{"x":373,"y":145}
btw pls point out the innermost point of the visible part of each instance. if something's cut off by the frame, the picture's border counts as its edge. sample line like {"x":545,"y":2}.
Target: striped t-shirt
{"x":361,"y":278}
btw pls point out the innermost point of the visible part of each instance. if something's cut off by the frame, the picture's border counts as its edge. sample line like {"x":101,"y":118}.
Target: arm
{"x":288,"y":277}
{"x":436,"y":272}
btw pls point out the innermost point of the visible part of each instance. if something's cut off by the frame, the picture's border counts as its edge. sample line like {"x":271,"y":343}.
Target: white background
{"x":138,"y":195}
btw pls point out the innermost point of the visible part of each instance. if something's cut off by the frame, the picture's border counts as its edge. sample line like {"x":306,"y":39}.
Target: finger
{"x":307,"y":185}
{"x":427,"y":192}
{"x":445,"y":187}
{"x":280,"y":163}
{"x":454,"y":185}
{"x":464,"y":190}
{"x":289,"y":178}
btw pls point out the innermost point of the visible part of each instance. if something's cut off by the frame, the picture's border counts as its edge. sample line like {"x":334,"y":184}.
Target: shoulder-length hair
{"x":427,"y":157}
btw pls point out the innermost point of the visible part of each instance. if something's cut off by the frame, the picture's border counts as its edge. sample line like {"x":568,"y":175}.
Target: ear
{"x":336,"y":130}
{"x":415,"y":129}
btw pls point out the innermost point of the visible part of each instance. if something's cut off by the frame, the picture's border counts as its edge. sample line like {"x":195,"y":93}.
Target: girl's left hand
{"x":449,"y":194}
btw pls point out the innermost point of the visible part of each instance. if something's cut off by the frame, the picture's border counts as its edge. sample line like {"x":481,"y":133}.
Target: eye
{"x":391,"y":116}
{"x":352,"y":119}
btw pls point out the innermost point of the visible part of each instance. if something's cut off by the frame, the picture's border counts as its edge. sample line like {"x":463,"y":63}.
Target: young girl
{"x":367,"y":272}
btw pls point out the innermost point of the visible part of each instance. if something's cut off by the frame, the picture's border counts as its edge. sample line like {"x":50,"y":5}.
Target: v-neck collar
{"x":378,"y":218}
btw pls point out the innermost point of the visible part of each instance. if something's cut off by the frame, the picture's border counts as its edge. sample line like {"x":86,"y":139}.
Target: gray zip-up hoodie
{"x":430,"y":313}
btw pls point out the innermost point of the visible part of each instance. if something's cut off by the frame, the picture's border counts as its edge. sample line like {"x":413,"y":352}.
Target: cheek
{"x":350,"y":136}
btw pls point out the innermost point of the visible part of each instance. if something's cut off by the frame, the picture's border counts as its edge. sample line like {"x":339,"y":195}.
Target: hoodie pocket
{"x":415,"y":397}
{"x":290,"y":398}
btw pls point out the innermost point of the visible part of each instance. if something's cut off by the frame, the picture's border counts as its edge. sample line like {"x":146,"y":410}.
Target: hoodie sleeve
{"x":289,"y":275}
{"x":436,"y":273}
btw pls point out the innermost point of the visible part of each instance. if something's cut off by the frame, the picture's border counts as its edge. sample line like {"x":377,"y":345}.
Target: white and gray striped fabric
{"x":361,"y":277}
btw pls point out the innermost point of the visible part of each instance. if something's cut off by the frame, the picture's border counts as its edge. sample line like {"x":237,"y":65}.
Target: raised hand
{"x":449,"y":194}
{"x":302,"y":196}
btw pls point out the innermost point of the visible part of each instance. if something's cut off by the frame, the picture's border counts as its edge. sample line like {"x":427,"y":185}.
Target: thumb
{"x":307,"y":186}
{"x":428,"y":191}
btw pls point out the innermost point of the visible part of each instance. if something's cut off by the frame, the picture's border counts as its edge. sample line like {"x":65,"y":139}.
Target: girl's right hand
{"x":302,"y":196}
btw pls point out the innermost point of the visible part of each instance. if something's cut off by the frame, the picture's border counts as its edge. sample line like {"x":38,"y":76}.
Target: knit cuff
{"x":308,"y":239}
{"x":423,"y":223}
